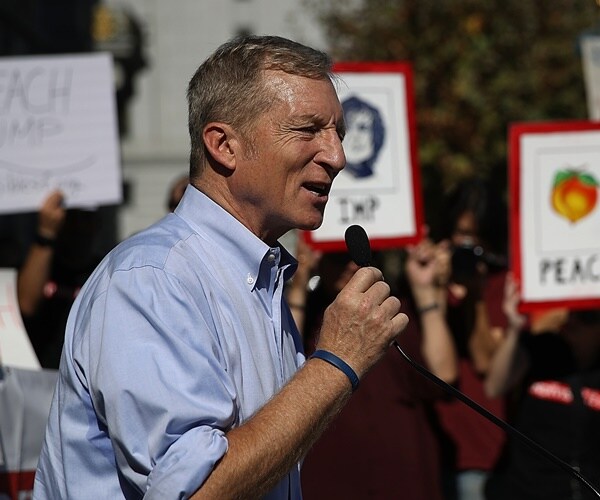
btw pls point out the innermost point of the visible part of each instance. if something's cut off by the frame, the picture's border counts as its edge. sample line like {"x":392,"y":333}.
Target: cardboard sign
{"x":15,"y":348}
{"x":58,"y":129}
{"x":555,"y":213}
{"x":380,"y":187}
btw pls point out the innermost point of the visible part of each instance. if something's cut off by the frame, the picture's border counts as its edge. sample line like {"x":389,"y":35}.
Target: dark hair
{"x":229,"y":86}
{"x":588,"y":317}
{"x":484,"y":201}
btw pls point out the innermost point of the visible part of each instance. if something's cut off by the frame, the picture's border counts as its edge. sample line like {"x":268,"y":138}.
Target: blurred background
{"x":478,"y":66}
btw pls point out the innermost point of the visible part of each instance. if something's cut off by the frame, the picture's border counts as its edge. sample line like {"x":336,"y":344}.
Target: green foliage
{"x":479,"y":66}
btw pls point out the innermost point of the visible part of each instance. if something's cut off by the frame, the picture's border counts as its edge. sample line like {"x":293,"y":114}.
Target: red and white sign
{"x":380,"y":187}
{"x":555,"y":213}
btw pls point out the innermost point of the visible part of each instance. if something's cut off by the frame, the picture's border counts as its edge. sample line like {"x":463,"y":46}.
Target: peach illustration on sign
{"x":574,"y":194}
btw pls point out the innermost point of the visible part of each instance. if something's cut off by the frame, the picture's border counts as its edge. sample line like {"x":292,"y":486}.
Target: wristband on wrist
{"x":428,"y":307}
{"x":44,"y":241}
{"x":340,"y":364}
{"x":297,"y":306}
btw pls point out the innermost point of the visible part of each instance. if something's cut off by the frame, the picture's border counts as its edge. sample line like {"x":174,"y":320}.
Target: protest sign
{"x":58,"y":130}
{"x":555,"y":213}
{"x":15,"y":348}
{"x":380,"y":187}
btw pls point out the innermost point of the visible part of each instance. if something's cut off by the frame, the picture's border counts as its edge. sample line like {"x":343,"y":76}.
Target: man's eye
{"x":308,"y":130}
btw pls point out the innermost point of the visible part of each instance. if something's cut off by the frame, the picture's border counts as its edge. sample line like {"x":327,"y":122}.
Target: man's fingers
{"x":391,"y":306}
{"x":369,"y":281}
{"x":399,"y":322}
{"x":378,"y":292}
{"x":363,"y":279}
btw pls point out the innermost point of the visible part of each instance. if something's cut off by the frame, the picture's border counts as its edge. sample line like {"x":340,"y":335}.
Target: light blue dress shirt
{"x":179,"y":335}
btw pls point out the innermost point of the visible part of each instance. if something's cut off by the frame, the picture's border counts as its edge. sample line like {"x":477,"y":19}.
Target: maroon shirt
{"x":381,"y":445}
{"x":475,"y":442}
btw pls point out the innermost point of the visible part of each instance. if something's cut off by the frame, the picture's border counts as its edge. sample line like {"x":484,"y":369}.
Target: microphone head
{"x":358,"y":245}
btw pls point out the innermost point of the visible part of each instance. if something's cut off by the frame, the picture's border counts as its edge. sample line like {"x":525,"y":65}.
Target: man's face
{"x":295,"y":152}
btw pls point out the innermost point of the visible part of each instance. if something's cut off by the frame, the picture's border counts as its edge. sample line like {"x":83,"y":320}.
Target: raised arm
{"x":509,"y":363}
{"x":484,"y":340}
{"x":426,"y":269}
{"x":35,"y":271}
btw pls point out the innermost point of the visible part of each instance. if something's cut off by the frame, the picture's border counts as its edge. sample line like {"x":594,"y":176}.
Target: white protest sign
{"x":15,"y":348}
{"x":58,"y":129}
{"x":380,"y":186}
{"x":555,"y":213}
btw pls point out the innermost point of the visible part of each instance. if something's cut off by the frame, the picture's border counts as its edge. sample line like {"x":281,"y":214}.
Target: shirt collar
{"x":244,"y":248}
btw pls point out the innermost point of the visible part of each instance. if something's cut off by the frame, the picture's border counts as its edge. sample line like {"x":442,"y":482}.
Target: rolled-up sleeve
{"x":176,"y":338}
{"x":157,"y":364}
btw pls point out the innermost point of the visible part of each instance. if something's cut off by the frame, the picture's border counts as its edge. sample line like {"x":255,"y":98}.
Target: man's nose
{"x":332,"y":153}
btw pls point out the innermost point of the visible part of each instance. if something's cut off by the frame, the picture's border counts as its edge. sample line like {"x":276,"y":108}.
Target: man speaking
{"x":182,"y":374}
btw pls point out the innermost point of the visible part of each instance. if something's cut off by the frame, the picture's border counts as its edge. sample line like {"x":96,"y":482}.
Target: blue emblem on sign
{"x":365,"y":133}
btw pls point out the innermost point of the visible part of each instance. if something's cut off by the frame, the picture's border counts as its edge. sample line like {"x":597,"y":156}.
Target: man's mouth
{"x":318,"y":189}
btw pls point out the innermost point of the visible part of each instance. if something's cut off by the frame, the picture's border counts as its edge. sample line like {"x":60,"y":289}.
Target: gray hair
{"x":229,"y":87}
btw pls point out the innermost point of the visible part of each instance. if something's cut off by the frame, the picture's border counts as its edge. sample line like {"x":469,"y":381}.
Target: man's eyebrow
{"x":312,"y":118}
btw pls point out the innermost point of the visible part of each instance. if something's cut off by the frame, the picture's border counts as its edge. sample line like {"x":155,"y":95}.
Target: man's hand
{"x":362,"y":321}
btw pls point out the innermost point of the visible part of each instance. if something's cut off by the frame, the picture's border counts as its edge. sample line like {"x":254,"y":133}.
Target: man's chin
{"x":311,"y":225}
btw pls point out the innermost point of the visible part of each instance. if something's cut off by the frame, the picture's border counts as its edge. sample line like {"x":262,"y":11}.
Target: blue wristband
{"x":340,"y":364}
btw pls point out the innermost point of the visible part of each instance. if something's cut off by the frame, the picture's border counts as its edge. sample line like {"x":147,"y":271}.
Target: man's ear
{"x":221,"y":143}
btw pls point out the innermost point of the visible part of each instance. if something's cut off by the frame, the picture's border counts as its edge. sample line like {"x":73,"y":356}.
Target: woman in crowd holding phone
{"x":473,"y":234}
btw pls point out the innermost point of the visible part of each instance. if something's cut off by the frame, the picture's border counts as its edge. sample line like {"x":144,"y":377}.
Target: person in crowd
{"x":176,"y":190}
{"x":551,"y":363}
{"x":383,"y":436}
{"x":14,"y":242}
{"x":182,"y":373}
{"x":62,"y":256}
{"x":304,"y":279}
{"x":474,"y":231}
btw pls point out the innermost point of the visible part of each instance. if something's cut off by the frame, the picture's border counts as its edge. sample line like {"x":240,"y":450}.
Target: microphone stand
{"x":359,"y":248}
{"x":494,"y":419}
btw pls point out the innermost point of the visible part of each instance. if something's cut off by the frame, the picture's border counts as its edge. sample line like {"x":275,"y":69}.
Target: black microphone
{"x":358,"y":245}
{"x":359,"y":249}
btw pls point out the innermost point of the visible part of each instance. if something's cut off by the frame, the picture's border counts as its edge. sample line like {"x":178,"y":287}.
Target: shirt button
{"x":271,"y":257}
{"x":250,"y":279}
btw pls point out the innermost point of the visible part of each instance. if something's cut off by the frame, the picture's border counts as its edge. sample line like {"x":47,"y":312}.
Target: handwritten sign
{"x":380,"y":187}
{"x":58,"y":129}
{"x":15,"y":348}
{"x":555,"y":213}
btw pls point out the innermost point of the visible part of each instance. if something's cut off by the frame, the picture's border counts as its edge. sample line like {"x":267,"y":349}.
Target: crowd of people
{"x":404,"y":437}
{"x":201,"y":360}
